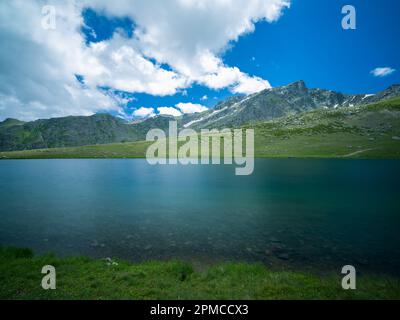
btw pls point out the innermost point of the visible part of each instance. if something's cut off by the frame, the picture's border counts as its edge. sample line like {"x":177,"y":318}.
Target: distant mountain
{"x":278,"y":102}
{"x":9,"y":122}
{"x":159,"y":122}
{"x":367,"y":131}
{"x":65,"y":132}
{"x":233,"y":112}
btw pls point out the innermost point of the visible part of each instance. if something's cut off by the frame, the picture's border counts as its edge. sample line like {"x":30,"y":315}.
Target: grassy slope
{"x":82,"y":278}
{"x":357,"y":132}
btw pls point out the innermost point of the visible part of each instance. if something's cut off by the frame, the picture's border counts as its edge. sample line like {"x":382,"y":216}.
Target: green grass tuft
{"x":83,"y":278}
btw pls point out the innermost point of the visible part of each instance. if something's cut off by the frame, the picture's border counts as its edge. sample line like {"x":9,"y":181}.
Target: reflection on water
{"x":297,"y":213}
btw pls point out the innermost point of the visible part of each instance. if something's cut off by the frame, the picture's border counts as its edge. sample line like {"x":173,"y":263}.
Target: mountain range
{"x":278,"y":102}
{"x":236,"y":111}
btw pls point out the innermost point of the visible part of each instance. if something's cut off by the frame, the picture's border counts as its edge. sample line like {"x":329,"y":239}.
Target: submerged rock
{"x":274,"y":247}
{"x":283,"y":256}
{"x":273,"y":239}
{"x":361,"y":261}
{"x":268,"y":252}
{"x":94,"y":243}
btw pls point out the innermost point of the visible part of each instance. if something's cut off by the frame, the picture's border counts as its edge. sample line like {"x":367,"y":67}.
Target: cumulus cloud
{"x":125,"y":68}
{"x":170,"y":111}
{"x":218,"y":76}
{"x":143,"y":112}
{"x":39,"y":66}
{"x":203,"y":98}
{"x":190,"y":107}
{"x":382,"y":72}
{"x":190,"y":35}
{"x":38,"y":70}
{"x":180,"y":109}
{"x":250,"y":85}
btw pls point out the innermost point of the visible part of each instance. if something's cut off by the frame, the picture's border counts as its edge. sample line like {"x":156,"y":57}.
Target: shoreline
{"x":316,"y":157}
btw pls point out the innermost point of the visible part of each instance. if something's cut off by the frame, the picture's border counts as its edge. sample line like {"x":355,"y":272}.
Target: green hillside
{"x":65,"y":132}
{"x":369,"y":131}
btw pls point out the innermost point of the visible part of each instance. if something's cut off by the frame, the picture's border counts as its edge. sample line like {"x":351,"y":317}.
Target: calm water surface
{"x":289,"y":213}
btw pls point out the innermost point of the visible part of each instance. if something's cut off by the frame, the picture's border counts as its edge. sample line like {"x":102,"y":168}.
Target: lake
{"x":291,"y":213}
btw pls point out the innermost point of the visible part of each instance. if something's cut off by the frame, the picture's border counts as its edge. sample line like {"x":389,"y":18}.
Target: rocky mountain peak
{"x":297,"y":85}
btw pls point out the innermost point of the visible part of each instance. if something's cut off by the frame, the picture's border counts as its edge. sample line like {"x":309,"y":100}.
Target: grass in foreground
{"x":83,"y":278}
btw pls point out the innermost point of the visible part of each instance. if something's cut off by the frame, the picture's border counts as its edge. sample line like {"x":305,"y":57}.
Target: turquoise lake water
{"x":319,"y":214}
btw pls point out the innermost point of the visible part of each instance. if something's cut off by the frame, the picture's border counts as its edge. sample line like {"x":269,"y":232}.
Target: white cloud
{"x":125,"y":68}
{"x":190,"y":107}
{"x":190,"y":35}
{"x":249,"y":85}
{"x":203,"y":98}
{"x":38,"y":70}
{"x":181,"y":108}
{"x":382,"y":72}
{"x":169,"y":111}
{"x":143,"y":112}
{"x":39,"y":66}
{"x":219,"y":76}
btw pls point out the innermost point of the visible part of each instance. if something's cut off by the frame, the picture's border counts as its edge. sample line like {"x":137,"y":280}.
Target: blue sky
{"x":309,"y":43}
{"x":118,"y":57}
{"x":306,"y":43}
